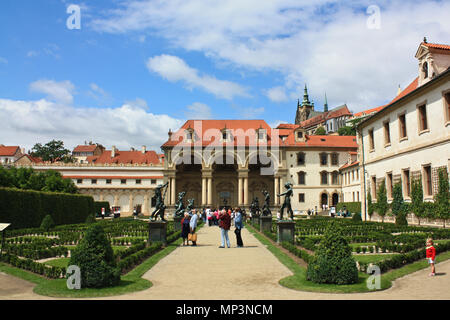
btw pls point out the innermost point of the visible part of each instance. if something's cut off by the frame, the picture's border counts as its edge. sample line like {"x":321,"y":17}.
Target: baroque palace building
{"x":409,"y":138}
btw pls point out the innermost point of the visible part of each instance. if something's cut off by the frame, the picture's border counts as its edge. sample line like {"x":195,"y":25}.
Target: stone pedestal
{"x":265,"y":223}
{"x":177,"y":223}
{"x":285,"y":231}
{"x":157,"y":231}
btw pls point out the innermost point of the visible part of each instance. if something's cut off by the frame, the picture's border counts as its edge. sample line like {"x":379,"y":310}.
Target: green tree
{"x":382,"y":205}
{"x":95,"y":258}
{"x":6,"y":180}
{"x":347,"y":131}
{"x":442,"y":197}
{"x":51,"y":151}
{"x":398,"y":205}
{"x":370,"y":206}
{"x":333,"y":261}
{"x":417,"y":206}
{"x":320,"y":131}
{"x":47,"y":223}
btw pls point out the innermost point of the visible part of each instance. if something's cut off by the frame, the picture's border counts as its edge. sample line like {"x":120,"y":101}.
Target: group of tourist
{"x":223,"y":218}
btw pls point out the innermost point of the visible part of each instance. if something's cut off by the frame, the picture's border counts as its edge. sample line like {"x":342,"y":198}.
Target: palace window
{"x":387,"y":133}
{"x":93,"y":181}
{"x":323,"y":159}
{"x":108,"y":181}
{"x":334,"y":159}
{"x":301,"y":177}
{"x":123,"y":181}
{"x":138,"y":181}
{"x":390,"y":188}
{"x":402,"y":123}
{"x":335,"y":177}
{"x":301,"y":197}
{"x":423,"y":123}
{"x":371,"y":140}
{"x":300,"y":134}
{"x":374,"y":187}
{"x":300,"y":158}
{"x":153,"y":181}
{"x":428,"y":188}
{"x":447,"y":106}
{"x":406,"y":184}
{"x":79,"y":181}
{"x":324,"y":177}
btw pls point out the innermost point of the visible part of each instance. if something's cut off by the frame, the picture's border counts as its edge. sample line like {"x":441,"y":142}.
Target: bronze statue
{"x":179,"y":211}
{"x":287,"y":201}
{"x":160,"y":207}
{"x":266,"y":207}
{"x":254,"y":207}
{"x":190,"y":205}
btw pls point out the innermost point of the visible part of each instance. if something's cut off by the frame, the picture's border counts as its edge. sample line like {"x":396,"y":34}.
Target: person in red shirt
{"x":431,"y":255}
{"x":224,"y":224}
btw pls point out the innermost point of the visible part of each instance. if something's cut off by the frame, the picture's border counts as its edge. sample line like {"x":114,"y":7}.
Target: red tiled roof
{"x":8,"y":151}
{"x":32,"y":159}
{"x":322,"y":141}
{"x":411,"y":87}
{"x":85,"y":148}
{"x":125,"y":157}
{"x":208,"y":132}
{"x":335,"y":113}
{"x":369,"y":111}
{"x":436,"y":46}
{"x":348,"y":165}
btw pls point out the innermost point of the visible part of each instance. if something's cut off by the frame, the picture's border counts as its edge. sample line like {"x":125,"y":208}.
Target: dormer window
{"x":261,"y":134}
{"x":226,"y":135}
{"x":299,"y":135}
{"x":425,"y":70}
{"x":189,"y":134}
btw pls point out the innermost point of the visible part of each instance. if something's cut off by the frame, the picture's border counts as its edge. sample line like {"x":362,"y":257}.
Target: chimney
{"x":22,"y":150}
{"x":113,"y":151}
{"x":144,"y":149}
{"x":399,"y":90}
{"x":170,"y":134}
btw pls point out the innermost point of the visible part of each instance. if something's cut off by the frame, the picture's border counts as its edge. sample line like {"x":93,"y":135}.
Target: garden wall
{"x":26,"y":208}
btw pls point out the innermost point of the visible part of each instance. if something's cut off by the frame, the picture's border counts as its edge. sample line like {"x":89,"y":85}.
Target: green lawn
{"x":298,"y":280}
{"x":354,"y":245}
{"x":372,"y":257}
{"x":60,"y":262}
{"x":130,"y":282}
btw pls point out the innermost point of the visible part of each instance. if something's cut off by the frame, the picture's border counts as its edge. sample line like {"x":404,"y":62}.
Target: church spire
{"x":325,"y":106}
{"x":305,"y":96}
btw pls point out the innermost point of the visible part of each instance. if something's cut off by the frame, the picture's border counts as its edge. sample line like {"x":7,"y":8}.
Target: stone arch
{"x":231,"y":154}
{"x":178,"y":158}
{"x":323,"y":199}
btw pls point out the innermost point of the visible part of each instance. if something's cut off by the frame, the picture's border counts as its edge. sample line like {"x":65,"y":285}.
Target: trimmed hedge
{"x":352,"y":207}
{"x":302,"y":254}
{"x":27,"y":208}
{"x":98,"y":205}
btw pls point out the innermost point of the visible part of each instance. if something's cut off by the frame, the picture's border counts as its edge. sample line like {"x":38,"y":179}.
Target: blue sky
{"x":137,"y":68}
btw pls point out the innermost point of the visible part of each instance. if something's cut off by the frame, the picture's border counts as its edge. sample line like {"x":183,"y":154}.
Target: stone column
{"x":276,"y":191}
{"x":209,"y":191}
{"x":173,"y":191}
{"x":246,"y":191}
{"x":240,"y":202}
{"x":130,"y":202}
{"x":203,"y":191}
{"x":101,"y":196}
{"x":116,"y":199}
{"x":145,"y":206}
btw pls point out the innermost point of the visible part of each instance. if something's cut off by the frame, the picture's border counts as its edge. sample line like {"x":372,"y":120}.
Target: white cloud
{"x":101,"y":96}
{"x":50,"y":50}
{"x":277,"y":94}
{"x":28,"y":122}
{"x":251,"y":113}
{"x":61,"y":92}
{"x":3,"y":60}
{"x":198,"y":111}
{"x":324,"y":43}
{"x":175,"y":69}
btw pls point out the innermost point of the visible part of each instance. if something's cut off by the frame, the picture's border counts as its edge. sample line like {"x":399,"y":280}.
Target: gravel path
{"x":208,"y":272}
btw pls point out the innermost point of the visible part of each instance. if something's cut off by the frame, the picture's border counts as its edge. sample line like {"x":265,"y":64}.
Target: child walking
{"x":431,"y":254}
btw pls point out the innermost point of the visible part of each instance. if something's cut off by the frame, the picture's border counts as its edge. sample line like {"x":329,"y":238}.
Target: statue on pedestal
{"x":287,"y":201}
{"x":266,"y":207}
{"x":160,"y":207}
{"x":254,"y":207}
{"x":179,"y":211}
{"x":190,"y":205}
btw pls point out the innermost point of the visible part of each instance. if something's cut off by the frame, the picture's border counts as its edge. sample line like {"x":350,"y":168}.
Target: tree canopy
{"x":52,"y":151}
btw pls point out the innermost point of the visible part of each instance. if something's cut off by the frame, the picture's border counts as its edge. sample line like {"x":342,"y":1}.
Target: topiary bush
{"x":357,"y":217}
{"x":90,"y":219}
{"x":47,"y":223}
{"x":333,"y":262}
{"x":95,"y":258}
